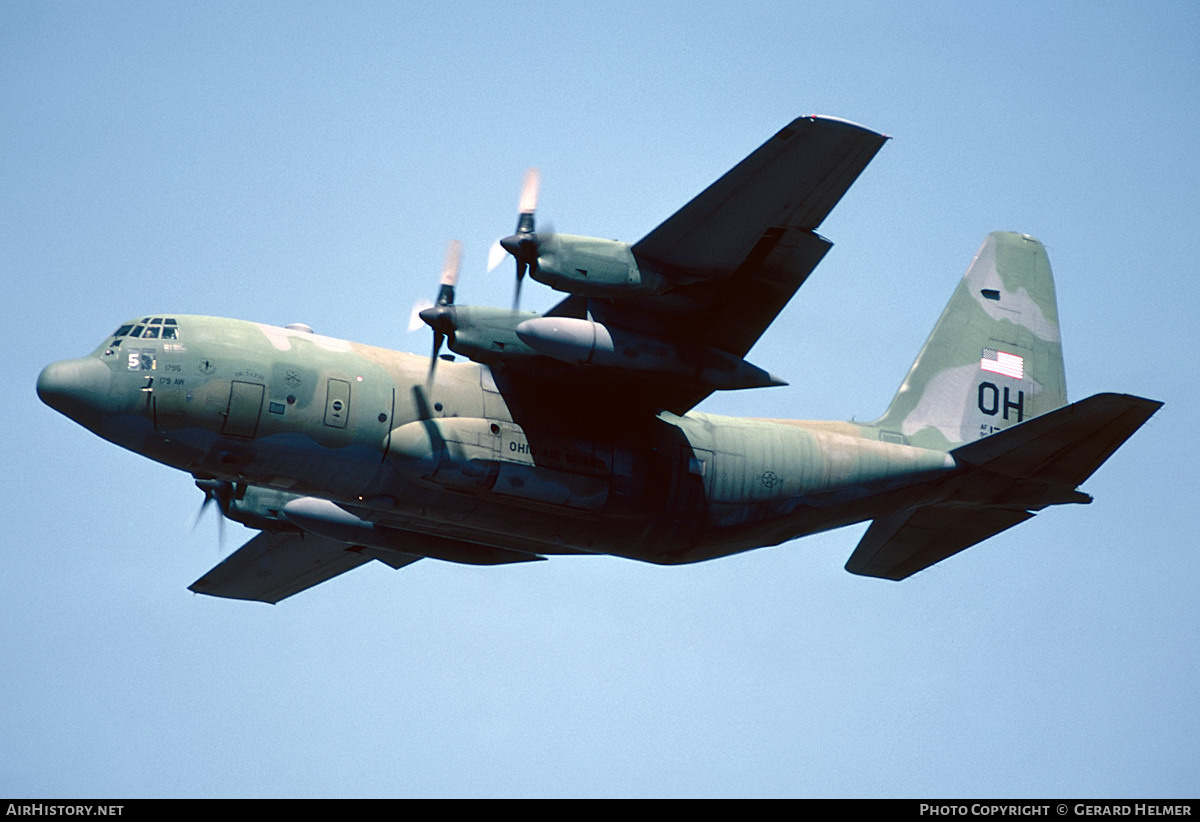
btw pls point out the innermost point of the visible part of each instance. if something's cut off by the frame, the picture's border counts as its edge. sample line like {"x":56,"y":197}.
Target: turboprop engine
{"x":591,"y":267}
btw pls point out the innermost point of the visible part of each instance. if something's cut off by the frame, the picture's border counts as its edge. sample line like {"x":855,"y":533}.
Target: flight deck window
{"x":150,"y":329}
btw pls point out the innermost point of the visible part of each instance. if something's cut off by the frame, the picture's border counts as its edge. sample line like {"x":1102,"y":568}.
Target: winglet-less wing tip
{"x":824,"y":118}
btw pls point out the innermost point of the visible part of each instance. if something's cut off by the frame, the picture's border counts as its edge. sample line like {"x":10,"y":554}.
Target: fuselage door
{"x":245,"y":406}
{"x":337,"y":404}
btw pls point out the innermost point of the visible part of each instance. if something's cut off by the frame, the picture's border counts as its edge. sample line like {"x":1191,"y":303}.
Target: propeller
{"x":524,"y":244}
{"x":439,"y":315}
{"x":221,"y":492}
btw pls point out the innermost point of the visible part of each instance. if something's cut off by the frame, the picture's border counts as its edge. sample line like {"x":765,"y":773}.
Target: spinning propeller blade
{"x":439,"y":315}
{"x":523,"y":244}
{"x":221,"y":492}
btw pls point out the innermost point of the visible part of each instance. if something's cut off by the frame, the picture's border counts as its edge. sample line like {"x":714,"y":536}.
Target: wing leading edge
{"x":740,"y":249}
{"x":792,"y":181}
{"x":275,"y":565}
{"x":272,"y":567}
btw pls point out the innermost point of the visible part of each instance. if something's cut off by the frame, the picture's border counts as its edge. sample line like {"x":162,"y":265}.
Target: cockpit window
{"x":150,"y":329}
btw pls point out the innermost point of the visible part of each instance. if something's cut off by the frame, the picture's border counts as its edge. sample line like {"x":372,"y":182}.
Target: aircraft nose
{"x":77,"y":388}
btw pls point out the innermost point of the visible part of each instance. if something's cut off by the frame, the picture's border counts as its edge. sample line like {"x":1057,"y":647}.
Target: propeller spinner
{"x":221,"y":492}
{"x":439,"y":315}
{"x":523,"y":245}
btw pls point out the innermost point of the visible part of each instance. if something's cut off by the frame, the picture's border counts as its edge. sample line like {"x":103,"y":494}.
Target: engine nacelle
{"x":592,"y":267}
{"x":487,"y":335}
{"x":257,"y":507}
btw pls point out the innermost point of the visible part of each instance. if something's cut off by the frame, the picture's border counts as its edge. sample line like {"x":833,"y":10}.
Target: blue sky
{"x":284,"y":162}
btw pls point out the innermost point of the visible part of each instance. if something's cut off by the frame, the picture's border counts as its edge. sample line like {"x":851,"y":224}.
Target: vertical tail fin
{"x":994,"y":359}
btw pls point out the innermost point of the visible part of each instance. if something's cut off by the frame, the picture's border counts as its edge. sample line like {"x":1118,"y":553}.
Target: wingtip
{"x":841,"y":121}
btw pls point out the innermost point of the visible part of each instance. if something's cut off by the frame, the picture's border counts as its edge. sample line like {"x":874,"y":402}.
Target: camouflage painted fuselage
{"x":289,"y":413}
{"x":340,"y":453}
{"x":573,"y":431}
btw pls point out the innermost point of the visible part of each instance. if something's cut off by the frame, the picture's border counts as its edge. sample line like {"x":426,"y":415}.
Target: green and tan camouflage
{"x":994,"y":358}
{"x":574,"y":432}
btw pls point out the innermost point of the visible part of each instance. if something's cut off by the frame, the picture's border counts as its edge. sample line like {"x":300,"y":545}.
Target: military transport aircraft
{"x":573,"y":431}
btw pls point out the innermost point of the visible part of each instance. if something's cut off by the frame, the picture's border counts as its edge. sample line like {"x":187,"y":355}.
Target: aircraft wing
{"x":740,"y":249}
{"x":734,"y":256}
{"x":272,"y":567}
{"x":792,"y":181}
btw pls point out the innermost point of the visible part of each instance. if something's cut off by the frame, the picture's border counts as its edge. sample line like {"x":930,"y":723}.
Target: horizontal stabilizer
{"x":272,"y":567}
{"x":898,"y":545}
{"x":1006,"y":477}
{"x":1065,"y":446}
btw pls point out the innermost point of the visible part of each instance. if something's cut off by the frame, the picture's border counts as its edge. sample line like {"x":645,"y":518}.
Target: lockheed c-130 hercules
{"x":573,"y":431}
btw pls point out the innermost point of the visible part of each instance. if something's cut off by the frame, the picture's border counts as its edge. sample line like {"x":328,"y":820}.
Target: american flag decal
{"x":999,"y":362}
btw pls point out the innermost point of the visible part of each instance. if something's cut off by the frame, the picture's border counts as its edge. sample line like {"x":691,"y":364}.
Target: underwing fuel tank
{"x":576,"y":340}
{"x":479,"y":455}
